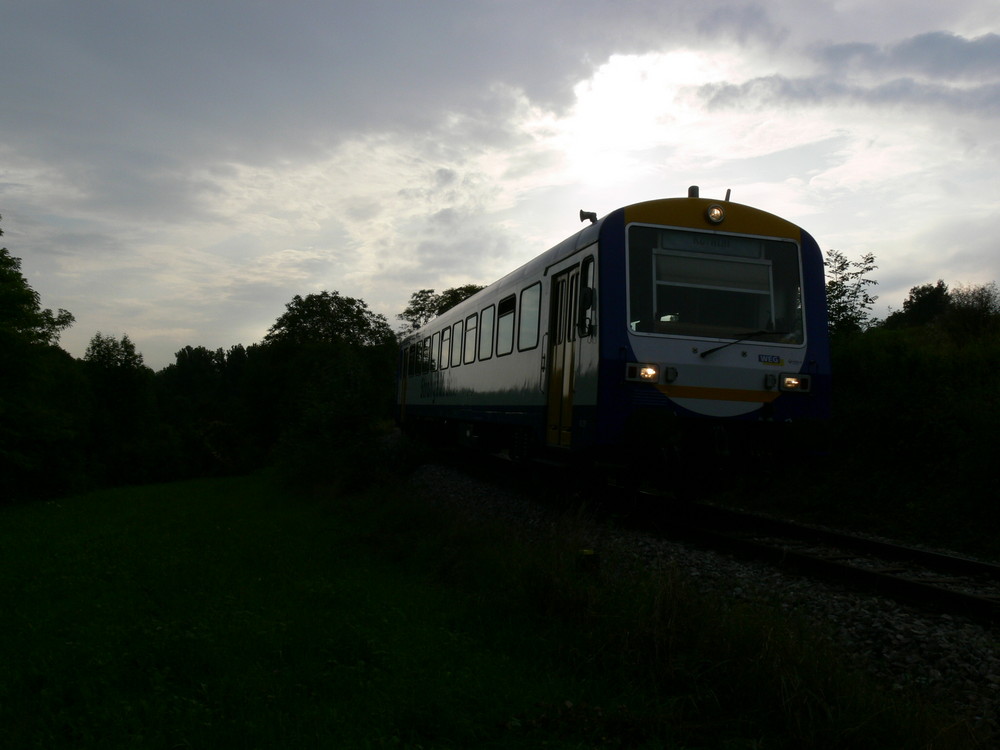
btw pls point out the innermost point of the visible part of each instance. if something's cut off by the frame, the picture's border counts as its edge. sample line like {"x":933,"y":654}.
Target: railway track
{"x":931,"y":580}
{"x":934,"y":580}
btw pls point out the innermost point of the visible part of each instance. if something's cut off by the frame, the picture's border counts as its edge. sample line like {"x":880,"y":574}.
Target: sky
{"x":178,"y":171}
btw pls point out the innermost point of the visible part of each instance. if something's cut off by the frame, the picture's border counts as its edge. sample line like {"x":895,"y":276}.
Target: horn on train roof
{"x":584,"y":215}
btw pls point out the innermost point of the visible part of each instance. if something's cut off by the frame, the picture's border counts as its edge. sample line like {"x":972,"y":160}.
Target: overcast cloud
{"x":178,"y":171}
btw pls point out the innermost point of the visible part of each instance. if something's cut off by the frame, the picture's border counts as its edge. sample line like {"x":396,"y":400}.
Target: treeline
{"x":915,"y":412}
{"x":309,"y":398}
{"x":963,"y":314}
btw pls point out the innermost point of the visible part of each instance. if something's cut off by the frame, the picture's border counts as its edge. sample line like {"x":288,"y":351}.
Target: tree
{"x":42,"y":408}
{"x":109,"y":353}
{"x":848,"y":300}
{"x":974,"y":311}
{"x":926,"y":304}
{"x":425,"y":304}
{"x":21,"y":313}
{"x":326,"y":371}
{"x":329,"y":317}
{"x":205,"y":407}
{"x":422,"y":307}
{"x":125,"y":432}
{"x":451,"y":297}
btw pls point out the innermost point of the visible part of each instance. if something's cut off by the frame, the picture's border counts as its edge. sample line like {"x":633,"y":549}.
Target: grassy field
{"x":232,"y":613}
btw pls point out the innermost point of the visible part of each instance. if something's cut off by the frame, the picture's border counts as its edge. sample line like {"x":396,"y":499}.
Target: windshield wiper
{"x":743,"y":337}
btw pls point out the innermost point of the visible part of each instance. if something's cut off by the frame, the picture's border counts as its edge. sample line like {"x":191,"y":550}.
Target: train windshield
{"x":687,"y":283}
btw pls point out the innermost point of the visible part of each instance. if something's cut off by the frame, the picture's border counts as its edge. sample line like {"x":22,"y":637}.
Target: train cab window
{"x":433,"y":358}
{"x":505,"y":325}
{"x":486,"y":318}
{"x":456,"y":349}
{"x":712,"y":285}
{"x":445,"y":348}
{"x":470,"y":339}
{"x":527,"y":324}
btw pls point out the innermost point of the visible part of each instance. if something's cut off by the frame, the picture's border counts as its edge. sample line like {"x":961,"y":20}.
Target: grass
{"x":230,"y":613}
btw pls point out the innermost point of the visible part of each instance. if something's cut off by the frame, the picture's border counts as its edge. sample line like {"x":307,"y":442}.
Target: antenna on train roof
{"x":584,"y":215}
{"x":729,"y":192}
{"x":693,"y":191}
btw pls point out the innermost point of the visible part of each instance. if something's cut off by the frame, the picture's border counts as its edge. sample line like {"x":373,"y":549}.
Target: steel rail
{"x":715,"y":527}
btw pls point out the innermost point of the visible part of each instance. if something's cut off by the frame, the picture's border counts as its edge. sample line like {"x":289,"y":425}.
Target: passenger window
{"x":527,"y":325}
{"x":425,"y":356}
{"x":588,"y":297}
{"x":486,"y":318}
{"x":445,"y":348}
{"x":574,"y":289}
{"x":456,"y":350}
{"x":470,"y":339}
{"x":433,"y":352}
{"x":505,"y":326}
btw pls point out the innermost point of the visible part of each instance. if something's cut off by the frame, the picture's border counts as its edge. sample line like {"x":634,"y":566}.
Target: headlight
{"x":794,"y":382}
{"x":643,"y":373}
{"x":715,"y":213}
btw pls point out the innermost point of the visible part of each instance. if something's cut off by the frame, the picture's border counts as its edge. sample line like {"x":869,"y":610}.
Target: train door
{"x":561,"y":356}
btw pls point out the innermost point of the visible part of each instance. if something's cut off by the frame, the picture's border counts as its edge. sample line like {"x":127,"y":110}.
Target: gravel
{"x":950,"y":658}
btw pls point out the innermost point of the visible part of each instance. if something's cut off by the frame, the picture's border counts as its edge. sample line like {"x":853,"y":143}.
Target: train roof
{"x":689,"y":211}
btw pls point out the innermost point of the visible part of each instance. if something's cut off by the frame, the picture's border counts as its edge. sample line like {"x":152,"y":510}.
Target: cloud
{"x":935,"y":55}
{"x":937,"y":71}
{"x":776,"y":90}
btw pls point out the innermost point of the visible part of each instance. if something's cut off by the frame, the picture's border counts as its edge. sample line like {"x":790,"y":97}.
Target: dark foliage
{"x":974,"y":312}
{"x":963,"y":315}
{"x":426,"y":304}
{"x":320,"y":385}
{"x":926,"y":304}
{"x":849,"y":301}
{"x":21,"y":313}
{"x":327,"y":316}
{"x":40,"y":391}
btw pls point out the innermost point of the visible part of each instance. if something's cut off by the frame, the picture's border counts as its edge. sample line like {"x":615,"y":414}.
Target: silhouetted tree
{"x":198,"y":405}
{"x":21,"y":313}
{"x":847,"y":297}
{"x":426,"y":305}
{"x":422,"y":308}
{"x":451,"y":297}
{"x":330,"y":364}
{"x":329,"y":317}
{"x":108,"y":353}
{"x":126,"y":431}
{"x":926,"y":304}
{"x":42,"y":393}
{"x":974,"y":311}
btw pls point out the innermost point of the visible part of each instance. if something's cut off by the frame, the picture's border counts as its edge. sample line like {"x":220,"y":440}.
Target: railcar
{"x":676,"y":328}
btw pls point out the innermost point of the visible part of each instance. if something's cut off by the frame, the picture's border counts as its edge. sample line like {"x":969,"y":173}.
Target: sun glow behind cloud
{"x":631,"y":105}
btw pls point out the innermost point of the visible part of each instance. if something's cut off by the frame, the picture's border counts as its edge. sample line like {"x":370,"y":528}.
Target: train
{"x":665,"y":333}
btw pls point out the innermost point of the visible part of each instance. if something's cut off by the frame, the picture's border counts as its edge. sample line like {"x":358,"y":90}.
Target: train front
{"x":724,"y":348}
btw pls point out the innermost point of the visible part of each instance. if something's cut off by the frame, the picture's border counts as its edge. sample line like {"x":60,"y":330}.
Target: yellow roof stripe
{"x":690,"y":212}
